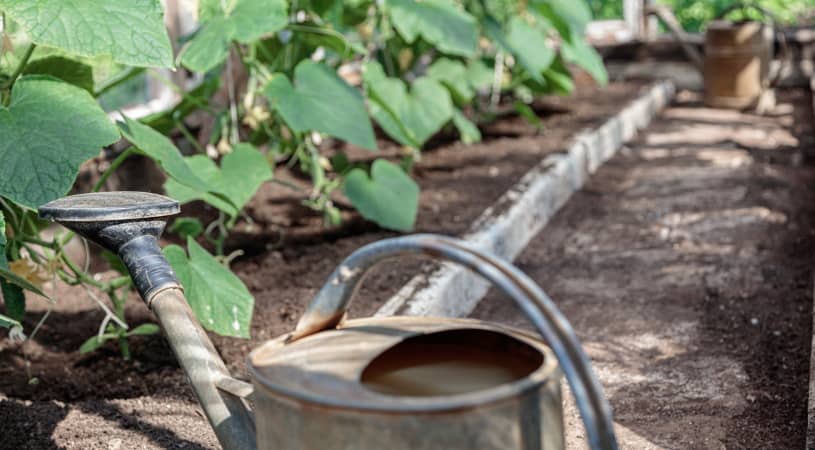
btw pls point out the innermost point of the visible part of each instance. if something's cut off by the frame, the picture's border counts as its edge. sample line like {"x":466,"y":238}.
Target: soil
{"x":53,"y":397}
{"x":685,"y":266}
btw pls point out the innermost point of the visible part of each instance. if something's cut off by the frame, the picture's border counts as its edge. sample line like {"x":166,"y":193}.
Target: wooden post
{"x":642,"y":25}
{"x":633,"y":14}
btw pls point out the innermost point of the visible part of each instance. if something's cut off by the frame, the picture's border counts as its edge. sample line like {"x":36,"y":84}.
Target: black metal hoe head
{"x":126,"y":223}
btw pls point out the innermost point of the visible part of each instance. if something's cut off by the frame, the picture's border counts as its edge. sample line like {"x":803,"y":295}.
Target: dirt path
{"x":685,"y":266}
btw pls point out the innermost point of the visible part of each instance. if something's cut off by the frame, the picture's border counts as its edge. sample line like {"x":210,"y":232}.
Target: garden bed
{"x":100,"y":401}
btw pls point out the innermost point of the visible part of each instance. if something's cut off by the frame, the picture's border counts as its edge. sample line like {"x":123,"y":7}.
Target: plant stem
{"x":124,"y":347}
{"x":37,"y":241}
{"x":113,"y":166}
{"x":20,"y":67}
{"x":82,"y":276}
{"x":187,"y":135}
{"x":118,"y":79}
{"x":119,"y":308}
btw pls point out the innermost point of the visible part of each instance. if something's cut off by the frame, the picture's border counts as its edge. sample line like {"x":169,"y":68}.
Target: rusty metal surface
{"x":331,"y":302}
{"x":325,"y":368}
{"x":528,"y":421}
{"x":737,"y":63}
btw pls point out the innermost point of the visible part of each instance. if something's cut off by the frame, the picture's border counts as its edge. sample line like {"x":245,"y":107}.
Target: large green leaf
{"x":579,"y":52}
{"x":131,"y":32}
{"x":409,"y":117}
{"x":66,"y":69}
{"x":453,"y":74}
{"x":526,"y":43}
{"x":439,"y":22}
{"x":569,"y":17}
{"x":479,"y":75}
{"x":242,"y":21}
{"x":160,"y":149}
{"x":48,"y":129}
{"x":388,"y":197}
{"x":220,"y":300}
{"x":241,"y":173}
{"x":320,"y":100}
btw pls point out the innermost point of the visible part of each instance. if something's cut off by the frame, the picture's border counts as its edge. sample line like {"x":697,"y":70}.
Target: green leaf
{"x":558,"y":78}
{"x":115,"y":262}
{"x":8,"y":322}
{"x":410,"y":118}
{"x":13,"y":296}
{"x":579,"y":52}
{"x":479,"y":75}
{"x":321,"y":101}
{"x":220,"y":300}
{"x":439,"y":22}
{"x":243,"y":21}
{"x":165,"y":121}
{"x":131,"y":32}
{"x":567,"y":16}
{"x":48,"y":129}
{"x":313,"y":36}
{"x":68,"y":70}
{"x":242,"y":172}
{"x":388,"y":197}
{"x":466,"y":129}
{"x":453,"y":74}
{"x":187,"y":227}
{"x":11,"y":277}
{"x":528,"y":114}
{"x":95,"y":342}
{"x":527,"y":44}
{"x":145,"y":329}
{"x":160,"y":149}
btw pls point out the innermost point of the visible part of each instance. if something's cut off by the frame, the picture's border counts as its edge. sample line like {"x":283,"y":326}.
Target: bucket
{"x":736,"y":66}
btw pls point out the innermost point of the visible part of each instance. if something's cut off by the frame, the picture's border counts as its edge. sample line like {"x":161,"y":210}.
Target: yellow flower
{"x":29,"y":271}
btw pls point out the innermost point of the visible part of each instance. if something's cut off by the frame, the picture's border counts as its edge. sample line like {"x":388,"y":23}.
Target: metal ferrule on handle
{"x":329,"y":306}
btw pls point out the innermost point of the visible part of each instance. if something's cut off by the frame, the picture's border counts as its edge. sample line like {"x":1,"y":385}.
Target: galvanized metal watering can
{"x":376,"y":383}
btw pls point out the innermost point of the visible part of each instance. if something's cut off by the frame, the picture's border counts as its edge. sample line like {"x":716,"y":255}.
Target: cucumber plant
{"x":297,"y":76}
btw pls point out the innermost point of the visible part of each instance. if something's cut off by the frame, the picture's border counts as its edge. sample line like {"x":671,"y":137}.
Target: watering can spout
{"x":126,"y":223}
{"x":130,"y":224}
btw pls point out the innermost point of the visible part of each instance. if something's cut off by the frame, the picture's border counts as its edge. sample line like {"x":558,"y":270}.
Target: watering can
{"x":737,"y":57}
{"x":373,"y":383}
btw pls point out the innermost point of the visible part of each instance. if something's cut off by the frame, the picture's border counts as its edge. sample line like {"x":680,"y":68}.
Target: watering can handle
{"x":329,"y":307}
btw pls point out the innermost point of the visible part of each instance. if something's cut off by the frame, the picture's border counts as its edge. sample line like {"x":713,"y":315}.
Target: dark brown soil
{"x":685,"y":266}
{"x":53,"y":397}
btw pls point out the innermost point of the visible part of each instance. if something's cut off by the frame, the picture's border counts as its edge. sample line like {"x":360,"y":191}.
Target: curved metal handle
{"x":329,"y":306}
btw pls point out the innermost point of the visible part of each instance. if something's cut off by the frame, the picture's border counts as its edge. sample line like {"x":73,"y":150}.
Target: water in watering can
{"x":449,"y":363}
